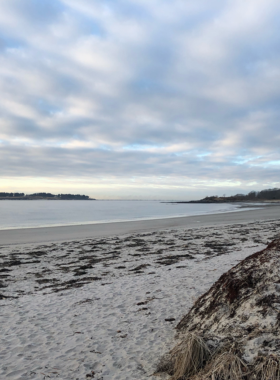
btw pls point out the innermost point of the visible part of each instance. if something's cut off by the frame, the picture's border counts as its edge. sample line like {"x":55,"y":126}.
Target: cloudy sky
{"x":140,"y":98}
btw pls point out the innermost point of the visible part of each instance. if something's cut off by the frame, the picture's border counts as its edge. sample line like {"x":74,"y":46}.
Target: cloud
{"x":140,"y":88}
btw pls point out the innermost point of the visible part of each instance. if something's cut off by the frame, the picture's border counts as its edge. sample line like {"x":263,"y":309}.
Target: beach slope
{"x":106,"y":308}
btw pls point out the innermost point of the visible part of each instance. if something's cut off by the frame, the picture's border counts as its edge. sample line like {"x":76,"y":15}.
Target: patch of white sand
{"x":110,"y":330}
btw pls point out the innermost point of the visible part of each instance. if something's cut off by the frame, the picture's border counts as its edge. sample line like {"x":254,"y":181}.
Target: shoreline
{"x":143,"y":219}
{"x":80,"y":232}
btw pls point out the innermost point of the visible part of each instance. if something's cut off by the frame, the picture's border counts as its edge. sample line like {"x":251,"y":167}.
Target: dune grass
{"x":266,"y":368}
{"x":188,"y":357}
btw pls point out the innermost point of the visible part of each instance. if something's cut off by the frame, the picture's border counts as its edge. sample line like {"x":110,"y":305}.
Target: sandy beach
{"x":140,"y":190}
{"x":103,"y":302}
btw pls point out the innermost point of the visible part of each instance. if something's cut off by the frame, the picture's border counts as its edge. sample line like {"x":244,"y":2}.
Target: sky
{"x":139,"y":99}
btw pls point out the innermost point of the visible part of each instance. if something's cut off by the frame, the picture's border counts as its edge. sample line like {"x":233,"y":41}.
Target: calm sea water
{"x":27,"y":214}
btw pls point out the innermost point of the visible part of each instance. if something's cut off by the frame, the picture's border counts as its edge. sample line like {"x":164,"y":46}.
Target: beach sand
{"x":105,"y":306}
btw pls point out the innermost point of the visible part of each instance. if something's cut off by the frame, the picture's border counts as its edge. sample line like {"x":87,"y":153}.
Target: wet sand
{"x":78,"y":232}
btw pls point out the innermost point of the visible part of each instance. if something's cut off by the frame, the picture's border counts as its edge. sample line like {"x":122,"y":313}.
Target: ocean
{"x":49,"y":213}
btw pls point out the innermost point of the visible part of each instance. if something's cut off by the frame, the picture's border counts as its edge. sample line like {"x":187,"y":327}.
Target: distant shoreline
{"x":203,"y":201}
{"x":43,"y":196}
{"x":42,"y":199}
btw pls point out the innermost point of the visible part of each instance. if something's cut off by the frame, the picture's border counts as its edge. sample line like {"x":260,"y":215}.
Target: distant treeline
{"x":44,"y":195}
{"x":4,"y":195}
{"x":71,"y":196}
{"x":59,"y":196}
{"x":267,"y":194}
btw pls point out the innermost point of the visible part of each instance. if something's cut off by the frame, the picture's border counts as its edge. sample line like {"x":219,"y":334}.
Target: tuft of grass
{"x":226,"y":366}
{"x":266,"y":368}
{"x":189,"y":357}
